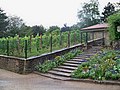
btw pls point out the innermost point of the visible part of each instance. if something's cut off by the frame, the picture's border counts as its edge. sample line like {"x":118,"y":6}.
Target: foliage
{"x":89,"y":15}
{"x":65,"y":28}
{"x":38,"y":29}
{"x":105,"y":65}
{"x":108,"y":10}
{"x":114,"y":21}
{"x":50,"y":64}
{"x":25,"y":31}
{"x":39,"y":44}
{"x":3,"y":23}
{"x":117,"y":6}
{"x":53,"y":28}
{"x":14,"y":26}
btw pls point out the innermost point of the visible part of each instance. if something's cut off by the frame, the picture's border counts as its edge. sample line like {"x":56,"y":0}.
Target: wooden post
{"x":60,"y":39}
{"x":81,"y":37}
{"x":51,"y":43}
{"x":86,"y":41}
{"x":93,"y":38}
{"x":68,"y":38}
{"x":103,"y":38}
{"x":18,"y":44}
{"x":41,"y":41}
{"x":7,"y":47}
{"x":86,"y":37}
{"x":75,"y":39}
{"x":25,"y":49}
{"x":30,"y":43}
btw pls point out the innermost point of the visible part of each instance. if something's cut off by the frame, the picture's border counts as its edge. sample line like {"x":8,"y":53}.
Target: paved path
{"x":13,"y":81}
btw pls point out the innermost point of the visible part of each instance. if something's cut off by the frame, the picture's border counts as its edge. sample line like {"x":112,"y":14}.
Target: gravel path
{"x":13,"y":81}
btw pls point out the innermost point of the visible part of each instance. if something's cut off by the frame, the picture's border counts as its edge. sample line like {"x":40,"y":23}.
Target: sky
{"x":47,"y":12}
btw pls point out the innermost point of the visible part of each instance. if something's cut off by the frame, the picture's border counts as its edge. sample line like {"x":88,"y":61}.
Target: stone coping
{"x":56,"y":51}
{"x":12,"y":57}
{"x":64,"y":49}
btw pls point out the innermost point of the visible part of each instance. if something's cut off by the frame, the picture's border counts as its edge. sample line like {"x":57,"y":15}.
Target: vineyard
{"x":32,"y":46}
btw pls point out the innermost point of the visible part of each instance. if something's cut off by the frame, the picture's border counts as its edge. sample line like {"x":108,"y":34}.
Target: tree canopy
{"x":114,"y":22}
{"x":3,"y":23}
{"x":53,"y":28}
{"x":38,"y":30}
{"x":108,"y":10}
{"x":15,"y":25}
{"x":89,"y":15}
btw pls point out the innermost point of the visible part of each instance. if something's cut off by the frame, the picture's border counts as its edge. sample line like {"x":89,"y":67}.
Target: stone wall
{"x":12,"y":63}
{"x":24,"y":66}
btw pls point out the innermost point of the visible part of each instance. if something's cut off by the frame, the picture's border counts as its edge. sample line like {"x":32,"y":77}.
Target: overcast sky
{"x":46,"y":12}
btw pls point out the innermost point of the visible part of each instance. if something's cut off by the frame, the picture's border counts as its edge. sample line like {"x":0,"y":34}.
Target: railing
{"x":33,"y":46}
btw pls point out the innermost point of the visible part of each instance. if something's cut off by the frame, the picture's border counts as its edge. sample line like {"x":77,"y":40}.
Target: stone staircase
{"x":64,"y":71}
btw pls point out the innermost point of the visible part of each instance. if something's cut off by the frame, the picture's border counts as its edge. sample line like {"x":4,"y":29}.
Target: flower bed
{"x":50,"y":64}
{"x":102,"y":66}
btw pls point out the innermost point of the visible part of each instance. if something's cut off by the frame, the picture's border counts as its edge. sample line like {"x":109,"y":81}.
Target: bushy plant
{"x":105,"y":65}
{"x":114,"y":21}
{"x":50,"y":64}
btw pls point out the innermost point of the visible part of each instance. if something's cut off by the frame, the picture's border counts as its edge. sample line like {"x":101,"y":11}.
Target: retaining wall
{"x":25,"y":66}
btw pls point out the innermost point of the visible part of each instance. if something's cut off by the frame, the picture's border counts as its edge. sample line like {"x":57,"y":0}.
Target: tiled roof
{"x":97,"y":26}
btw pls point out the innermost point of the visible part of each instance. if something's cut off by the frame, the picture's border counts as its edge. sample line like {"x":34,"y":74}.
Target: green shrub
{"x":105,"y":65}
{"x":50,"y":64}
{"x":114,"y":21}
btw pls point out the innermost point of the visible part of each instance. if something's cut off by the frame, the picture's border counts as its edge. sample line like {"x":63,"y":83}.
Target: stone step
{"x":53,"y":76}
{"x":67,"y":67}
{"x":59,"y":73}
{"x":63,"y":70}
{"x":87,"y":55}
{"x":69,"y":64}
{"x":80,"y":59}
{"x":74,"y":62}
{"x":91,"y":52}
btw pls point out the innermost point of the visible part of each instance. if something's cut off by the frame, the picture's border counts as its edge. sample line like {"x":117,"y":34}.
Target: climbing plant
{"x":114,"y":22}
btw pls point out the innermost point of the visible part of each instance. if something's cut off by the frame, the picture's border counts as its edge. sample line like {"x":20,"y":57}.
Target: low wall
{"x":12,"y":63}
{"x":24,"y":66}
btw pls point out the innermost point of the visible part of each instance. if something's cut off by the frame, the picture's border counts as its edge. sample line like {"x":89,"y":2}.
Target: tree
{"x":15,"y":25}
{"x":3,"y":23}
{"x":65,"y":28}
{"x":38,"y":30}
{"x":25,"y":31}
{"x":108,"y":10}
{"x":53,"y":28}
{"x":89,"y":15}
{"x":114,"y":30}
{"x":117,"y":6}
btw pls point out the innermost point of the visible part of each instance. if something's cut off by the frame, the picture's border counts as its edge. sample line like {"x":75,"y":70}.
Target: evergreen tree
{"x":38,"y":30}
{"x":108,"y":10}
{"x":3,"y":23}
